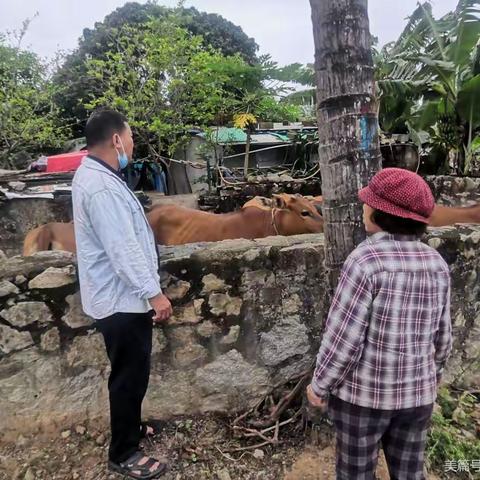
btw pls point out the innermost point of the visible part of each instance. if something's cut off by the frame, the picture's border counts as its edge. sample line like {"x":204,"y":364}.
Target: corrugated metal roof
{"x":269,"y":138}
{"x":224,"y":135}
{"x":227,"y":135}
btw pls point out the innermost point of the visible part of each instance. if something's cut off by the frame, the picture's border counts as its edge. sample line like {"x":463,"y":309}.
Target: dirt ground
{"x":201,"y":449}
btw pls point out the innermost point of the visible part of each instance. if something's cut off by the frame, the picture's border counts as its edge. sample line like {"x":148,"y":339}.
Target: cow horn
{"x":278,"y":201}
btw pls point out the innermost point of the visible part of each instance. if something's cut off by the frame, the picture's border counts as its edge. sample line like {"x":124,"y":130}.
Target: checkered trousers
{"x":361,"y":431}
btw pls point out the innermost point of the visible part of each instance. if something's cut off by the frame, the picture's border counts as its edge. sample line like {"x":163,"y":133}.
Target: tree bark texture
{"x":347,"y":113}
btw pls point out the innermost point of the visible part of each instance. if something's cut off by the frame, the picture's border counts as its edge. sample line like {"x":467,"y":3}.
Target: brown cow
{"x":176,"y":225}
{"x":51,"y":236}
{"x":288,"y":215}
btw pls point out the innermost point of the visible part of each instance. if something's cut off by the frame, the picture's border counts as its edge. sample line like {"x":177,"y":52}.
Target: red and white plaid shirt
{"x":388,"y":332}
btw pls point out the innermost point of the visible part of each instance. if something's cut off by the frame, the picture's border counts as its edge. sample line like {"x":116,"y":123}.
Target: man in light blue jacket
{"x":119,"y":281}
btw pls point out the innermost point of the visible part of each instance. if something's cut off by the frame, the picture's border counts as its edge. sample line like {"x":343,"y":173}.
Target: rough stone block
{"x":208,"y":329}
{"x":178,"y":290}
{"x":37,"y":263}
{"x":7,"y":288}
{"x":223,"y":304}
{"x":87,"y":351}
{"x":50,"y":340}
{"x":285,"y":340}
{"x":190,"y":356}
{"x":74,"y":317}
{"x":211,"y":283}
{"x":232,"y":336}
{"x":231,"y":381}
{"x":189,"y":314}
{"x":12,"y":340}
{"x":181,"y":336}
{"x":26,"y":313}
{"x":54,"y":277}
{"x":159,"y":341}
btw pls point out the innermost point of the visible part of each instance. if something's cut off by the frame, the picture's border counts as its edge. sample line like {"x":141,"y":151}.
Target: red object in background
{"x":65,"y":162}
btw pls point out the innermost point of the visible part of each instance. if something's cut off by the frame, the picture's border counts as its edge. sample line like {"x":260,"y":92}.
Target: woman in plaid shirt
{"x":387,"y":336}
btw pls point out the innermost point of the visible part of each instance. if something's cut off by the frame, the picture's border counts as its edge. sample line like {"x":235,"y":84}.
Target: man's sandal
{"x":132,"y":468}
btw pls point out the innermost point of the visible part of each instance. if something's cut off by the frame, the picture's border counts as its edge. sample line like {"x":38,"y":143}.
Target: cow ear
{"x":317,"y":203}
{"x":278,"y":202}
{"x":312,"y":199}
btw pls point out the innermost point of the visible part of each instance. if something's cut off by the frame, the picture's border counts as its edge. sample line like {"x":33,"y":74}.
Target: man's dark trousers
{"x":128,"y":340}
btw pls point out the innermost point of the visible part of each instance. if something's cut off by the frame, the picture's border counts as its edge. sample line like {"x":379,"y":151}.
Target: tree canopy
{"x":168,"y":69}
{"x":430,"y":79}
{"x":167,"y":81}
{"x":73,"y":81}
{"x":29,"y":119}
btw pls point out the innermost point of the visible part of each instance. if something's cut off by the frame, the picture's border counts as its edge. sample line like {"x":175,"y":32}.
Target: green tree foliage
{"x":305,"y":98}
{"x":167,"y":81}
{"x":297,"y":73}
{"x":146,"y":61}
{"x":72,"y":79}
{"x":29,"y":122}
{"x":220,"y":33}
{"x":429,"y":78}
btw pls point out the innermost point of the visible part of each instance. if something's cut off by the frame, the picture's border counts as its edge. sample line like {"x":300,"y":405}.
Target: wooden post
{"x":247,"y":155}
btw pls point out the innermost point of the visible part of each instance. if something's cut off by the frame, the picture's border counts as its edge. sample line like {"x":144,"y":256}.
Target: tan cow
{"x":51,"y":236}
{"x":287,"y":215}
{"x":444,"y":216}
{"x":176,"y":225}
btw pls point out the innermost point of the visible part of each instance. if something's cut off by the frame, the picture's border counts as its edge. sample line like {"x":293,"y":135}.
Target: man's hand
{"x":162,"y":306}
{"x":315,"y":401}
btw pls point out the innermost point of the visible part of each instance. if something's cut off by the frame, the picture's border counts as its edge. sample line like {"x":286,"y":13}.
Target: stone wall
{"x":455,"y":191}
{"x":246,"y":314}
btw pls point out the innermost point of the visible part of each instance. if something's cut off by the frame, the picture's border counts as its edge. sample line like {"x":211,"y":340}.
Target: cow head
{"x":317,"y":202}
{"x":297,"y":215}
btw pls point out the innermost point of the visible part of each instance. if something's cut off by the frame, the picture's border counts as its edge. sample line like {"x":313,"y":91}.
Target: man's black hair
{"x":102,"y":124}
{"x":398,"y":225}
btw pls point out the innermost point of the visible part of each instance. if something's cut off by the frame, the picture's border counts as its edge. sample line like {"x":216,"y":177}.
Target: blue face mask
{"x":122,"y":160}
{"x":122,"y":157}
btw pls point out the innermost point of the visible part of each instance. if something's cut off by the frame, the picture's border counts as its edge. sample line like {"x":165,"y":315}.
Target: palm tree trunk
{"x":347,"y":121}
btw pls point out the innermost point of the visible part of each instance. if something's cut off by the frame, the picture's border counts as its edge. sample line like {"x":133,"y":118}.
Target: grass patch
{"x":453,"y":448}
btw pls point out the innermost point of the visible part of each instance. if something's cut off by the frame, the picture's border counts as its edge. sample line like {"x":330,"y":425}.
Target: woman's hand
{"x":316,"y":401}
